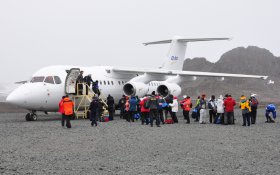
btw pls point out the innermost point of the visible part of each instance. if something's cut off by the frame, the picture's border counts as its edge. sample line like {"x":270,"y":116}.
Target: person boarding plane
{"x":46,"y":87}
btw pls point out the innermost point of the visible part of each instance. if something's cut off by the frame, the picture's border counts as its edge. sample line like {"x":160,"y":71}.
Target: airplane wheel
{"x":28,"y":117}
{"x":34,"y":117}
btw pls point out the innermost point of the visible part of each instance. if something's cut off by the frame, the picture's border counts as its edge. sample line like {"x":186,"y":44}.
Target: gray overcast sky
{"x":37,"y":33}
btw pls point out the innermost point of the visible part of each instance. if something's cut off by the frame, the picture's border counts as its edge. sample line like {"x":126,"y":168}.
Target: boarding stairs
{"x":82,"y":101}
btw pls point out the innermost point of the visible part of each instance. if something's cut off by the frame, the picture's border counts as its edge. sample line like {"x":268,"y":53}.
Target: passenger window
{"x":57,"y":80}
{"x":37,"y":79}
{"x":108,"y":82}
{"x":112,"y":82}
{"x":122,"y":82}
{"x":49,"y":79}
{"x":100,"y":82}
{"x":119,"y":83}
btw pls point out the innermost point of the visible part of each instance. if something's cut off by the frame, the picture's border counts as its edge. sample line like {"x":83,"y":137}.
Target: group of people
{"x":88,"y":81}
{"x":151,"y":108}
{"x":154,"y":107}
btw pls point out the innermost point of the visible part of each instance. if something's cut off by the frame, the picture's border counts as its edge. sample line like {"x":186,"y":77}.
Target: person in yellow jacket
{"x":246,"y":110}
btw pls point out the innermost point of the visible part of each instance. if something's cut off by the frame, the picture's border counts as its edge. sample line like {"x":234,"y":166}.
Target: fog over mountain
{"x":251,"y":60}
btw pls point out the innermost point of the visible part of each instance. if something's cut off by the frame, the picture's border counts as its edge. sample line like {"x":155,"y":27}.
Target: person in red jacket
{"x":229,"y":104}
{"x":186,"y":105}
{"x":144,"y":111}
{"x":61,"y":110}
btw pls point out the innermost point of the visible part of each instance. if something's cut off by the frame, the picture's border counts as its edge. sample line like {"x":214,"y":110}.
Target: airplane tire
{"x":28,"y":117}
{"x":34,"y":117}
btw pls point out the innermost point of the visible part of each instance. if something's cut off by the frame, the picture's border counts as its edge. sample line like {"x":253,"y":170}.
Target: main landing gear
{"x":32,"y":116}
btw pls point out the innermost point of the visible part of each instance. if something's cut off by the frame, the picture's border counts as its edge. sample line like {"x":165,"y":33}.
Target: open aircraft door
{"x":70,"y":81}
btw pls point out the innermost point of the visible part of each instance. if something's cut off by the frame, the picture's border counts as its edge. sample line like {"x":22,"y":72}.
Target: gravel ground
{"x":118,"y":147}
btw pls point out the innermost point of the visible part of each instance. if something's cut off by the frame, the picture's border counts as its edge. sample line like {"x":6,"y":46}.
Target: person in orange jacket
{"x":68,"y":111}
{"x":186,"y":105}
{"x":61,"y":110}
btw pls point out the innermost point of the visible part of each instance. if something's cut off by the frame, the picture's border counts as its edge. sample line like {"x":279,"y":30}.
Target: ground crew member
{"x":246,"y":109}
{"x":68,"y":106}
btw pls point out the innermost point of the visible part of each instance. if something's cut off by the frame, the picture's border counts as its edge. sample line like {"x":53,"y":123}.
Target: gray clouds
{"x":34,"y":34}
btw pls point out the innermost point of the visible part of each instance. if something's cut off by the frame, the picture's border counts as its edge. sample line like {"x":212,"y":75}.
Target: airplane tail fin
{"x":177,"y":51}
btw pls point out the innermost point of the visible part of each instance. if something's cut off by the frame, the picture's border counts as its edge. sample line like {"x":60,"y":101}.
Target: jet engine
{"x":220,"y":78}
{"x":135,"y":88}
{"x":169,"y":88}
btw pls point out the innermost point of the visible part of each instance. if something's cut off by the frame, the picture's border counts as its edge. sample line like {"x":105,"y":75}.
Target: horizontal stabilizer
{"x":185,"y":40}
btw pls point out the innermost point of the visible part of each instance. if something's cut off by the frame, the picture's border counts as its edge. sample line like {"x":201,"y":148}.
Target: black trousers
{"x":131,"y":116}
{"x":93,"y":117}
{"x":154,"y":115}
{"x":212,"y":116}
{"x":246,"y":117}
{"x":160,"y":113}
{"x":197,"y":115}
{"x":121,"y":113}
{"x":253,"y":116}
{"x":80,"y":89}
{"x":145,"y":117}
{"x":111,"y":114}
{"x":186,"y":115}
{"x":174,"y":117}
{"x":67,"y":118}
{"x":168,"y":110}
{"x":228,"y":118}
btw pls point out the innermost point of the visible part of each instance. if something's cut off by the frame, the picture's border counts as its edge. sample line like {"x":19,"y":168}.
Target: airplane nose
{"x":17,"y":97}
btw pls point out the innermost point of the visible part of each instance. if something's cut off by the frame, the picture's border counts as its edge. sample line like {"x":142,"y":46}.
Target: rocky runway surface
{"x":118,"y":147}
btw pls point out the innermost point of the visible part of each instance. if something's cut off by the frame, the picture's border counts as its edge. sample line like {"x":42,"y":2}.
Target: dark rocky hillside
{"x":250,"y":60}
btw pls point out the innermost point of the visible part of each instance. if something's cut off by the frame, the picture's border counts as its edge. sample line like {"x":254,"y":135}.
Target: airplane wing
{"x":183,"y":73}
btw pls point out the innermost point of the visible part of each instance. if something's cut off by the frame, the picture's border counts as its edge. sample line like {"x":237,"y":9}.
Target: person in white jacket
{"x":220,"y":107}
{"x":174,"y":109}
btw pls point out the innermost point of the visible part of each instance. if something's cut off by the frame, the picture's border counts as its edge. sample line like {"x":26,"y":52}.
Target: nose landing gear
{"x":32,"y":116}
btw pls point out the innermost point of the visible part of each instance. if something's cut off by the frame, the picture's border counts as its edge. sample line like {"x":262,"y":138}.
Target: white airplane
{"x":46,"y":87}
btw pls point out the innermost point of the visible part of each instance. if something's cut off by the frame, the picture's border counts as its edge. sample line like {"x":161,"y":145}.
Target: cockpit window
{"x":57,"y":80}
{"x":49,"y":79}
{"x":37,"y":79}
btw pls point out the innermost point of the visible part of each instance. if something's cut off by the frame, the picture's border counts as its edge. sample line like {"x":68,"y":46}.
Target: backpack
{"x":254,"y":102}
{"x":146,"y":104}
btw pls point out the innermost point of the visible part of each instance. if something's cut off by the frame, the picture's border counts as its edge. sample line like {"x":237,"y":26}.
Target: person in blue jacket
{"x":132,"y":108}
{"x":270,"y":108}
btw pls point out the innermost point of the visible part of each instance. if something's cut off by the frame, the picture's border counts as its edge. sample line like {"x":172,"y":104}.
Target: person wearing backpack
{"x":144,"y":110}
{"x":160,"y":108}
{"x":246,"y":109}
{"x":153,"y":104}
{"x":212,"y":105}
{"x":254,"y":107}
{"x":132,"y":108}
{"x":94,"y":106}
